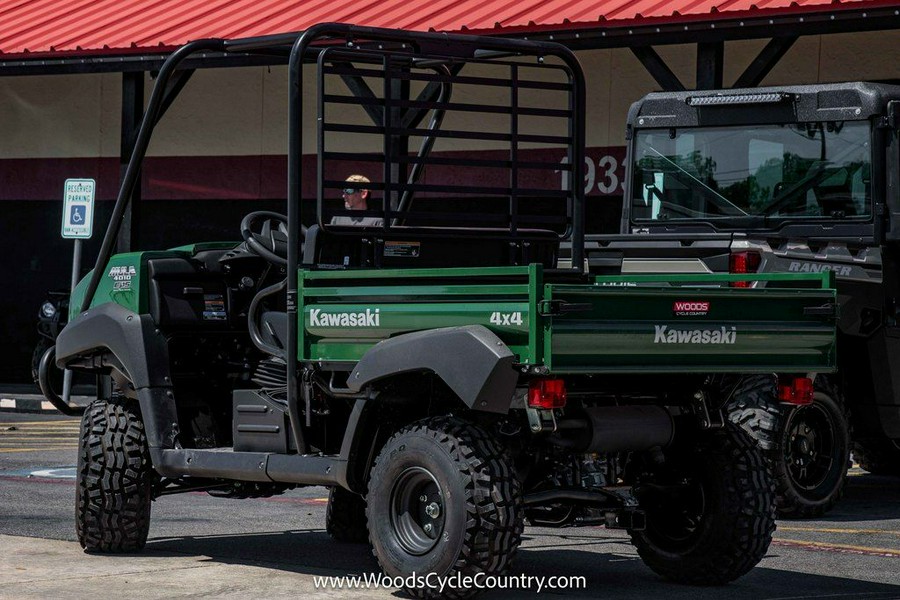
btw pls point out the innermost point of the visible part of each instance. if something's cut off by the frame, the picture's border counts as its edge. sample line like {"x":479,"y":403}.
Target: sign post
{"x":77,"y":224}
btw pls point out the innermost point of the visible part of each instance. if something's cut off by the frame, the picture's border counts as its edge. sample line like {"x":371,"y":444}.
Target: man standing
{"x":356,"y":198}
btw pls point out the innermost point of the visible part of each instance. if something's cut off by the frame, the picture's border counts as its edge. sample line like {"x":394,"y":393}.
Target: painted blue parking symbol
{"x":76,"y":214}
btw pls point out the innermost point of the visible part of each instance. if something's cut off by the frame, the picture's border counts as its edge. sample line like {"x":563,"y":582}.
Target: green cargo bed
{"x":580,"y":325}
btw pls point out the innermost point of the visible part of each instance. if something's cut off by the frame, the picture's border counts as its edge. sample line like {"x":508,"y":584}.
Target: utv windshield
{"x":753,"y":174}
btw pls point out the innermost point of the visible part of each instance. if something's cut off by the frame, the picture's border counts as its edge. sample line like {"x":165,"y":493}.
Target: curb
{"x":32,"y":403}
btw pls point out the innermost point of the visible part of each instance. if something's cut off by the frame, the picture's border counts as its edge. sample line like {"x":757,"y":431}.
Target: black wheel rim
{"x":675,"y":516}
{"x":417,"y":510}
{"x":810,"y":446}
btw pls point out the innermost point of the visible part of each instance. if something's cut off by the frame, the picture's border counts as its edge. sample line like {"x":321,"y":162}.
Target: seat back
{"x":403,"y":247}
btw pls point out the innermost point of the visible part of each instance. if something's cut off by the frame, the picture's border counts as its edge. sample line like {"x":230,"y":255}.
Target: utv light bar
{"x":726,"y":99}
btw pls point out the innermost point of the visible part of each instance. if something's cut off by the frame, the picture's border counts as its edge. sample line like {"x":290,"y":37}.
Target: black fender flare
{"x":132,"y":338}
{"x":143,"y":353}
{"x":476,"y":364}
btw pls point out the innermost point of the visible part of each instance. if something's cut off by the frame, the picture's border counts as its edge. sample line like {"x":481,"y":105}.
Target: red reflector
{"x":799,"y":391}
{"x":743,"y":262}
{"x":547,"y":393}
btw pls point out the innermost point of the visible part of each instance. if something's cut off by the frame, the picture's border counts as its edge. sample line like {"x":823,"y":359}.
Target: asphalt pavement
{"x":276,"y":547}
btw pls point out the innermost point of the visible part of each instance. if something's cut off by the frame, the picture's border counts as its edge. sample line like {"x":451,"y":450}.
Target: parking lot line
{"x":838,"y":530}
{"x":830,"y":547}
{"x":44,"y":423}
{"x":27,"y":438}
{"x":35,"y":449}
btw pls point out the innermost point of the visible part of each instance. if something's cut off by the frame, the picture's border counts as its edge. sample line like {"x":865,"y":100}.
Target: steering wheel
{"x":272,"y":239}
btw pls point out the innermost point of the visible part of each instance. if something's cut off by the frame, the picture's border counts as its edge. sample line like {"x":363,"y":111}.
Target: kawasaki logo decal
{"x":368,"y":318}
{"x":122,"y":277}
{"x":723,"y":335}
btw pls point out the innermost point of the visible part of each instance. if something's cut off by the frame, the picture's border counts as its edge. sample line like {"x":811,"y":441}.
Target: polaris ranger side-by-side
{"x":792,"y":179}
{"x":437,"y":371}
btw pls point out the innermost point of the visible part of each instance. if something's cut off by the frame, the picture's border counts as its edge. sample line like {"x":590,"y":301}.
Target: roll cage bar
{"x":311,"y":46}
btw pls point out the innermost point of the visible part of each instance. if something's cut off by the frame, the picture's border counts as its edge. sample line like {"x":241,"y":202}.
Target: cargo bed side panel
{"x":648,"y":329}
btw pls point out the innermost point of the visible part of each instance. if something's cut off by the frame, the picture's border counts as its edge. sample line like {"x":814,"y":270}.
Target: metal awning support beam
{"x":710,"y":65}
{"x":768,"y":57}
{"x":359,"y":88}
{"x":132,"y":112}
{"x":413,"y":117}
{"x":658,"y":68}
{"x":826,"y":22}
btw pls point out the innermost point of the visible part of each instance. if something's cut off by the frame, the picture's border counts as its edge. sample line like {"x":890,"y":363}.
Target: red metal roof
{"x":32,"y":28}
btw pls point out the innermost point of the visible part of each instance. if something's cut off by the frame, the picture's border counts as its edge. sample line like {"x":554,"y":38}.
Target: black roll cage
{"x":306,"y":47}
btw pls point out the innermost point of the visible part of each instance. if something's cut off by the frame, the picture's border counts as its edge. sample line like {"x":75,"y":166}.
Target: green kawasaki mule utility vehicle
{"x":437,"y":371}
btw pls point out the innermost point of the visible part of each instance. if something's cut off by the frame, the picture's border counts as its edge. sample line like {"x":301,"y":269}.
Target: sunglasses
{"x":349,"y":191}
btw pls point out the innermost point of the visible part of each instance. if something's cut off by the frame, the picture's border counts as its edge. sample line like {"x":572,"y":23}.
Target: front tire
{"x":114,"y":486}
{"x":710,"y":510}
{"x":345,"y":517}
{"x":443,"y":499}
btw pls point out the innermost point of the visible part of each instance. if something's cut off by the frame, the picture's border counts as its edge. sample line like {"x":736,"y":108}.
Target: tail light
{"x":743,"y":262}
{"x":798,"y":391}
{"x":547,"y":393}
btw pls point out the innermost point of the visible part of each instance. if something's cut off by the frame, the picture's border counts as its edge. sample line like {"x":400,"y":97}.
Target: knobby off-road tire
{"x":754,"y":408}
{"x":878,"y":456}
{"x":345,"y":518}
{"x":114,"y":486}
{"x":719,"y":524}
{"x":451,"y":478}
{"x":800,"y":492}
{"x":811,"y":472}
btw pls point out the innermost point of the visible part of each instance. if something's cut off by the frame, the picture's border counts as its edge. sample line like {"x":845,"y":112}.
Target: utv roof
{"x":854,"y":101}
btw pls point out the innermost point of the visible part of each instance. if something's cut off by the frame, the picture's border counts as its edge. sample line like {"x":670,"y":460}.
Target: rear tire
{"x":114,"y":486}
{"x":880,"y":456}
{"x":755,"y":409}
{"x":811,"y":470}
{"x":443,"y":499}
{"x":780,"y":431}
{"x":345,"y":518}
{"x":715,"y":521}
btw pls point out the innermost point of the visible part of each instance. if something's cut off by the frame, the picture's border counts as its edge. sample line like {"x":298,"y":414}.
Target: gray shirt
{"x":358,"y":221}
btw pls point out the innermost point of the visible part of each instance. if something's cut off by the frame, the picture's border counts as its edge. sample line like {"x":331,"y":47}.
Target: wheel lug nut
{"x":433,"y":510}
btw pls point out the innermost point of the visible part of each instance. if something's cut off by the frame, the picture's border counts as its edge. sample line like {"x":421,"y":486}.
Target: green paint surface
{"x":607,"y":325}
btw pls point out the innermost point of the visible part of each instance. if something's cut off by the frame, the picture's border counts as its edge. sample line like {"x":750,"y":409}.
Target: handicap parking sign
{"x":76,"y":215}
{"x":78,"y":208}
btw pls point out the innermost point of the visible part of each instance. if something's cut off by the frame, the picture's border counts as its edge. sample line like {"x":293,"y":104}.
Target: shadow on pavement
{"x":866,"y":498}
{"x":609,"y":565}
